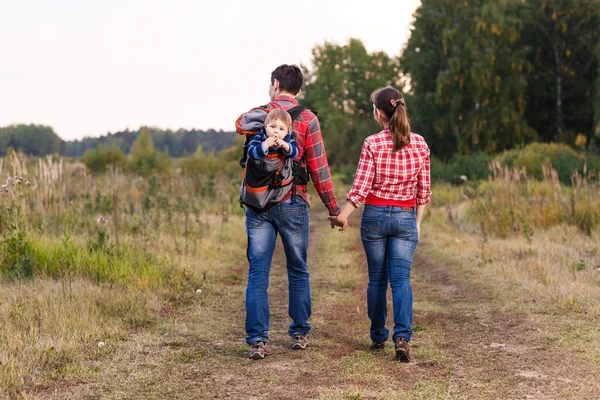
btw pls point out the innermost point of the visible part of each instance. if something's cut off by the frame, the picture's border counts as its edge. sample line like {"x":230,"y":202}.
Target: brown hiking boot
{"x":402,"y":351}
{"x":299,"y":342}
{"x":259,"y":350}
{"x":377,"y":345}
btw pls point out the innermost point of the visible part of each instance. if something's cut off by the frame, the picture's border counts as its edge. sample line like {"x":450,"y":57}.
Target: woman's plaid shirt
{"x":399,"y":176}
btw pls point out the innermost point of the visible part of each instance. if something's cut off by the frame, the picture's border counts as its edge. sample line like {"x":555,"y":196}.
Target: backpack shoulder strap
{"x":296,"y":111}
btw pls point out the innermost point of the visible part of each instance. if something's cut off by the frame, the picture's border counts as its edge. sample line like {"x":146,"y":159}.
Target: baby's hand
{"x":281,"y":143}
{"x":270,"y":141}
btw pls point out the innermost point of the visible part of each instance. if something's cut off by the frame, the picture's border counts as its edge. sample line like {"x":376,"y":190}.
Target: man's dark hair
{"x":289,"y":77}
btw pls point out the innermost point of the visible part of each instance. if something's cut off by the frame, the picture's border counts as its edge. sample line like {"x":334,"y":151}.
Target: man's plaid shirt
{"x":399,"y":176}
{"x":310,"y":143}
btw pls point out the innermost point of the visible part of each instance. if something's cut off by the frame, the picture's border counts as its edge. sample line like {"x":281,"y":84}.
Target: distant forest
{"x":39,"y":140}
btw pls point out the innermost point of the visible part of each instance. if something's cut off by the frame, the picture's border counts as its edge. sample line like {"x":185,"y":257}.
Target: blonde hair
{"x":278,"y":114}
{"x":391,"y":103}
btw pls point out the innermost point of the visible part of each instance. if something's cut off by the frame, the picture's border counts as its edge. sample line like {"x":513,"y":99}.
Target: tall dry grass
{"x":534,"y":241}
{"x":86,"y":259}
{"x":510,"y":202}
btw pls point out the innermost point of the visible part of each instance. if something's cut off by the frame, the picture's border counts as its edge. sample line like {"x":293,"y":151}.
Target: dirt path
{"x":464,"y":347}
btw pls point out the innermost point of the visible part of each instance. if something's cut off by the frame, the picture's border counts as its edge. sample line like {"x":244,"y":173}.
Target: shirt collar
{"x":286,"y":98}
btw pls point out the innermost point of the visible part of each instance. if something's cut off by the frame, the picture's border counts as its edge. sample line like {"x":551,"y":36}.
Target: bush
{"x":97,"y":160}
{"x":536,"y":156}
{"x":473,"y":167}
{"x":145,"y":160}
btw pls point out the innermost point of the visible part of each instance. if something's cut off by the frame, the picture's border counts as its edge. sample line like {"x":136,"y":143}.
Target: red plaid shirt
{"x":399,"y":176}
{"x":310,"y":143}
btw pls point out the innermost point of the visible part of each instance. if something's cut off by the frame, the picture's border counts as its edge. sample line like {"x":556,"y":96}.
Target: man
{"x":289,"y":219}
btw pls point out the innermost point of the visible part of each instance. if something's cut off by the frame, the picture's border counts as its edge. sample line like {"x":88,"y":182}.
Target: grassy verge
{"x":81,"y":304}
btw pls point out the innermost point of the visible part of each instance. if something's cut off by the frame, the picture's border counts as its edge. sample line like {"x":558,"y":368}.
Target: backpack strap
{"x":301,"y":176}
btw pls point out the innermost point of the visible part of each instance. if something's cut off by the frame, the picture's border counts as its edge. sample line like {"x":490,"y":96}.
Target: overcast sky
{"x":89,"y":67}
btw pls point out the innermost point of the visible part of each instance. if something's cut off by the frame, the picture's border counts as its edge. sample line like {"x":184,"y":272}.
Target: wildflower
{"x":101,"y":344}
{"x":198,"y":291}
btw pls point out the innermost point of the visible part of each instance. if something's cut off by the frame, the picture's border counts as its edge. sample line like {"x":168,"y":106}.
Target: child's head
{"x":278,"y":123}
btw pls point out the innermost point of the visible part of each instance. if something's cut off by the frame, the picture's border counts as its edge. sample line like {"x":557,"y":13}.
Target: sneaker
{"x":299,"y":342}
{"x":402,"y":351}
{"x":377,"y":345}
{"x":259,"y":350}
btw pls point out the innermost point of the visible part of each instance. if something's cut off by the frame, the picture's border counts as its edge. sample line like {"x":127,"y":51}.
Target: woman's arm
{"x":341,"y":219}
{"x":420,"y":212}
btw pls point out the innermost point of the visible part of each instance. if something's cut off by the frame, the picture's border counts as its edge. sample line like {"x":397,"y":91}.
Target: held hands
{"x":335,"y":220}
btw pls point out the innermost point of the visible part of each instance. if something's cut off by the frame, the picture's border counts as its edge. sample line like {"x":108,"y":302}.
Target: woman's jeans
{"x":290,"y":220}
{"x":389,"y":236}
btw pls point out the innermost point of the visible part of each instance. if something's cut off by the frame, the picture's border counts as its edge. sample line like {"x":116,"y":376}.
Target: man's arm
{"x":318,"y":167}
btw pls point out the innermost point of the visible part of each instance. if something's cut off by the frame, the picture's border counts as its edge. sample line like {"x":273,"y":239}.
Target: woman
{"x":393,"y":181}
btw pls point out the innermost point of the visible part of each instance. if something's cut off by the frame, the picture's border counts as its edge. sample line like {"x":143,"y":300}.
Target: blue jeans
{"x":389,"y":236}
{"x":290,"y":220}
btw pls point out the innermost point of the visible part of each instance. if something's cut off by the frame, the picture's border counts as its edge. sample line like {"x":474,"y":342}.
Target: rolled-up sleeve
{"x":423,"y":194}
{"x":363,"y":180}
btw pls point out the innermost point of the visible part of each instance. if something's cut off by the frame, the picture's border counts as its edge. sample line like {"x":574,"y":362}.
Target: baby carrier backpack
{"x":267,"y":180}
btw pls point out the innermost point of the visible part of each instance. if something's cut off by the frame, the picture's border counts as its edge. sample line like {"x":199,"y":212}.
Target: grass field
{"x":115,"y":286}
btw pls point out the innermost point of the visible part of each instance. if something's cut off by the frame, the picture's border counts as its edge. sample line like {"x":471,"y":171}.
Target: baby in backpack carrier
{"x":275,"y":137}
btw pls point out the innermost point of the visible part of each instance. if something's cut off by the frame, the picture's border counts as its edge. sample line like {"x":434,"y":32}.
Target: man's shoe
{"x":402,"y":351}
{"x":299,"y":342}
{"x":377,"y":345}
{"x":259,"y":350}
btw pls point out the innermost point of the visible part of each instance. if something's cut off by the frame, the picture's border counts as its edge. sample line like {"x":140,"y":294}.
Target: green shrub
{"x":145,"y":160}
{"x":537,"y":156}
{"x":97,"y":160}
{"x":461,"y":168}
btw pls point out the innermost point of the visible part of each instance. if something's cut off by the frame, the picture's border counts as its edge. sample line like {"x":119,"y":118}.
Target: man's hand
{"x":335,"y":220}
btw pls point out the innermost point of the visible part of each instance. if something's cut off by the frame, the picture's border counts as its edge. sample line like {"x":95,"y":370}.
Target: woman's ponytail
{"x":390,"y":101}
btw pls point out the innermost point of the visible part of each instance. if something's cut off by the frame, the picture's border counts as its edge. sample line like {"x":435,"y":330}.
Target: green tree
{"x":145,"y":160}
{"x":564,"y":38}
{"x":35,"y":140}
{"x":465,"y":75}
{"x":338,"y":84}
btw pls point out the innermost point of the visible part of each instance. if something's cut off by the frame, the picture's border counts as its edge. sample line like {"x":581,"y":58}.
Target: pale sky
{"x":89,"y":67}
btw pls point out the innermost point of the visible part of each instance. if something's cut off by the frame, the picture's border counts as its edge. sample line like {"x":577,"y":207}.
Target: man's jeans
{"x":290,"y":220}
{"x":389,"y":236}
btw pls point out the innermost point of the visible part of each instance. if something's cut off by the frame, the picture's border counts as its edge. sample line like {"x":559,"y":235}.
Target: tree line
{"x":39,"y":140}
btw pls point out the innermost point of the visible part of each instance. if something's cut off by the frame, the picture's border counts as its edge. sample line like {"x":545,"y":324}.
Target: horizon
{"x":87,"y":70}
